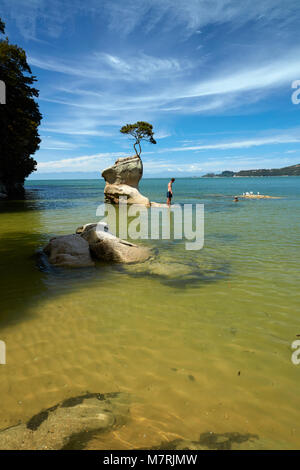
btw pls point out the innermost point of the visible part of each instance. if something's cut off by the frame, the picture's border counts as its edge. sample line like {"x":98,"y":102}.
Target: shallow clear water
{"x":200,"y":339}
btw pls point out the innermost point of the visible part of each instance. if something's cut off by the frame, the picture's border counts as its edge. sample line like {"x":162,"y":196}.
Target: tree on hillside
{"x":19,"y":119}
{"x":141,"y":130}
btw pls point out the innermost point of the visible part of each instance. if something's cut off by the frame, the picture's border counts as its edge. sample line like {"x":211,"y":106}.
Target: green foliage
{"x":141,"y":130}
{"x":2,"y":27}
{"x":293,"y":170}
{"x":19,"y":118}
{"x":227,"y":173}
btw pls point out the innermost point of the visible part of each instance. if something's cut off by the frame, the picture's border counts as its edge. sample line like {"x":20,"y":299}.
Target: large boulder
{"x":69,"y":251}
{"x":122,"y":179}
{"x":131,"y":195}
{"x":107,"y":247}
{"x":128,"y":170}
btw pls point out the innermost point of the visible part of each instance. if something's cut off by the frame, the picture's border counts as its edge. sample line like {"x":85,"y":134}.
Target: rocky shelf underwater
{"x":76,"y":421}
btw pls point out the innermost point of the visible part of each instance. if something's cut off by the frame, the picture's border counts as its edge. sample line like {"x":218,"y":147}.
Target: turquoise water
{"x":201,"y":340}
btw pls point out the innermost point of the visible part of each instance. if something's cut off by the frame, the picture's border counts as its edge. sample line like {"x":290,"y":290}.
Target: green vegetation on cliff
{"x":19,"y":119}
{"x":293,"y":170}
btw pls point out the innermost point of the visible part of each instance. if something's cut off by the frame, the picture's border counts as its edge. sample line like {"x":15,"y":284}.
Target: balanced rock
{"x":127,"y":170}
{"x":122,"y":179}
{"x":113,"y":192}
{"x":69,"y":251}
{"x":107,"y":247}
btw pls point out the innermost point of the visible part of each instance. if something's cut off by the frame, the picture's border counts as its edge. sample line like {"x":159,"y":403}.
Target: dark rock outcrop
{"x":11,"y":190}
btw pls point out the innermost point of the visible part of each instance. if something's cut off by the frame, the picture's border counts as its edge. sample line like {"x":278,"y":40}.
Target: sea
{"x":204,"y":342}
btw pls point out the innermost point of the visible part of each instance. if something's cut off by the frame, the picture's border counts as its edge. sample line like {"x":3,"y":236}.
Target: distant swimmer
{"x":236,"y":199}
{"x":170,"y":192}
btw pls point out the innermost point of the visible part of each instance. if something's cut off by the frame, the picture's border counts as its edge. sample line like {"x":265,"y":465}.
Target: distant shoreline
{"x":249,"y":176}
{"x":67,"y":178}
{"x":293,"y":170}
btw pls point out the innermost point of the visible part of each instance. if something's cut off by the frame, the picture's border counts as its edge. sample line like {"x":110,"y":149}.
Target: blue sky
{"x":212,"y":76}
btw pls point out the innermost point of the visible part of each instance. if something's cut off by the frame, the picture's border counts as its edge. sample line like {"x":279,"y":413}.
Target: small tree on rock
{"x":141,"y":130}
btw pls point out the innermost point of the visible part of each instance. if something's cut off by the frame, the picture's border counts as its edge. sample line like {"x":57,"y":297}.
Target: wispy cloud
{"x":183,"y":66}
{"x":84,"y":163}
{"x":248,"y":84}
{"x":241,"y":144}
{"x":190,"y":17}
{"x":140,"y":67}
{"x":49,"y":143}
{"x":154,"y":164}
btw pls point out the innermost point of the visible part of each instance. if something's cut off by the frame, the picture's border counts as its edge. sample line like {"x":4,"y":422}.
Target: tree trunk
{"x":137,"y":153}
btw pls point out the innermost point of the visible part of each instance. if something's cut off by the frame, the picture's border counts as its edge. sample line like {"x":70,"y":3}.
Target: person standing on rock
{"x":170,"y":192}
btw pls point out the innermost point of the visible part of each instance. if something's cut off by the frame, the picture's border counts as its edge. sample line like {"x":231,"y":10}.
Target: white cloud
{"x":48,"y":143}
{"x":143,"y":66}
{"x":272,"y":137}
{"x":71,"y":129}
{"x":246,"y":83}
{"x":140,"y":67}
{"x":191,"y":16}
{"x":83,"y":163}
{"x":270,"y":74}
{"x":132,"y":76}
{"x":154,"y":165}
{"x":194,"y":15}
{"x":279,"y":139}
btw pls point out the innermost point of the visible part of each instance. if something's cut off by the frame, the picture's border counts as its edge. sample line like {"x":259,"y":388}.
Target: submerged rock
{"x":159,"y":204}
{"x":173,"y":265}
{"x":70,"y":251}
{"x":210,"y":440}
{"x":106,"y":247}
{"x":122,"y":180}
{"x":69,"y":424}
{"x":257,"y":196}
{"x":167,"y":265}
